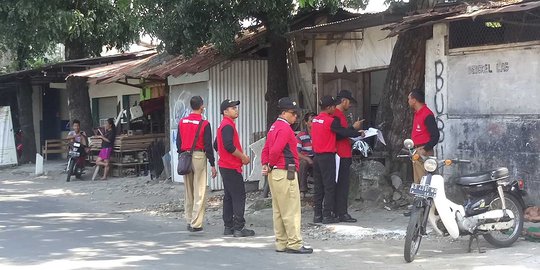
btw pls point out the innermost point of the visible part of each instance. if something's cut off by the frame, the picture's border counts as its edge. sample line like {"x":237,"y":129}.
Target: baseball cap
{"x":287,"y":103}
{"x":346,"y":94}
{"x":328,"y":101}
{"x":228,"y":103}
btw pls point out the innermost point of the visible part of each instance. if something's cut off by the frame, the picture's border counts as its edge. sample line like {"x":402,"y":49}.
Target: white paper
{"x":338,"y":159}
{"x":370,"y":133}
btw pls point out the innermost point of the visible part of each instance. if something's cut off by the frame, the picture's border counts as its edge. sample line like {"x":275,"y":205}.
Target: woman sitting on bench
{"x":107,"y":145}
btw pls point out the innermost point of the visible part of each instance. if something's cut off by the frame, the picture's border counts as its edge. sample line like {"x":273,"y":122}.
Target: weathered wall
{"x":373,"y":51}
{"x":486,"y":106}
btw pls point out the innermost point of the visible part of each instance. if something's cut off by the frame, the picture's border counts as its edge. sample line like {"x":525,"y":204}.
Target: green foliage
{"x":30,"y":28}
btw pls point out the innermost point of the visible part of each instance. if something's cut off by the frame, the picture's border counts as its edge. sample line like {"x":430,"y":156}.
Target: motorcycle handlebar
{"x":461,"y":161}
{"x":403,"y":156}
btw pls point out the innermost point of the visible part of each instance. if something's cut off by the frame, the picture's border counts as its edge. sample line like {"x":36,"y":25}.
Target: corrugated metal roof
{"x":362,"y":21}
{"x":160,"y":66}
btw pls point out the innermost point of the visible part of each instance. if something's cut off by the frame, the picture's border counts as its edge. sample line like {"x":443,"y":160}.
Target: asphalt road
{"x":43,"y":228}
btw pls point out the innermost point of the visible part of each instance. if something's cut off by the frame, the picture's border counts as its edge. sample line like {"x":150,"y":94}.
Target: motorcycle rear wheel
{"x":71,"y":164}
{"x":506,"y":238}
{"x":413,"y":236}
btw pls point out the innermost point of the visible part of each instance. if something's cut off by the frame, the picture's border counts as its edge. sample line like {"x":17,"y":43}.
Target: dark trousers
{"x":342,"y":186}
{"x":324,"y":174}
{"x":234,"y":199}
{"x":305,"y":168}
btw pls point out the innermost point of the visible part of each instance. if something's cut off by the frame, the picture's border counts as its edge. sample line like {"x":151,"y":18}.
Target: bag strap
{"x":196,"y":136}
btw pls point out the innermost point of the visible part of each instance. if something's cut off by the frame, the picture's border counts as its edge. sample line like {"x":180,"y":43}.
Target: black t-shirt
{"x":111,"y":136}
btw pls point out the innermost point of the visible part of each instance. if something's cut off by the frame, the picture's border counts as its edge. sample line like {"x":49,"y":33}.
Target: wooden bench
{"x":54,"y":147}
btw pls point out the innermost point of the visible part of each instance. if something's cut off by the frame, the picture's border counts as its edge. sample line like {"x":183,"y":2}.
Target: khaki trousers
{"x":195,"y":191}
{"x":418,"y":168}
{"x":286,"y":210}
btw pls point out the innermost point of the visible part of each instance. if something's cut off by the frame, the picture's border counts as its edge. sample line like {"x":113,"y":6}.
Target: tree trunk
{"x":406,"y":73}
{"x":74,"y":50}
{"x":277,"y":75}
{"x":79,"y":103}
{"x":26,"y":121}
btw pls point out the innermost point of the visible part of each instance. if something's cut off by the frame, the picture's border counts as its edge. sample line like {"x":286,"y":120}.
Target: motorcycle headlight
{"x":430,"y":165}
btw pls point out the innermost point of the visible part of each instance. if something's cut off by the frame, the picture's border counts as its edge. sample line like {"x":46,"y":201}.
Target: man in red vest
{"x":325,"y":130}
{"x":280,"y":162}
{"x":344,"y":151}
{"x":425,"y":133}
{"x":231,"y":160}
{"x":195,"y":182}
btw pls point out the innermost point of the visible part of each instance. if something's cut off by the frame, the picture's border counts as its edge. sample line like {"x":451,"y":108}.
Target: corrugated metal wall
{"x":244,"y":81}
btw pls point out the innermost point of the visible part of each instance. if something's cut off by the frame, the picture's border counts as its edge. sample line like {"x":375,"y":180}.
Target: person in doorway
{"x":305,"y":152}
{"x":280,"y":162}
{"x":107,"y":144}
{"x":326,"y":129}
{"x":425,"y":133}
{"x":231,"y":160}
{"x":195,"y":182}
{"x":344,"y":151}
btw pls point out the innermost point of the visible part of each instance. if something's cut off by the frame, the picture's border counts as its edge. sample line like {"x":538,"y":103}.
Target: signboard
{"x":494,"y":82}
{"x":8,"y":152}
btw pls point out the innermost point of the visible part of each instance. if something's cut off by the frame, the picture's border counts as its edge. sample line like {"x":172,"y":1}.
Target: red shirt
{"x":322,"y":136}
{"x":280,"y":147}
{"x":188,"y":127}
{"x":420,"y":134}
{"x":344,"y":149}
{"x":228,"y":160}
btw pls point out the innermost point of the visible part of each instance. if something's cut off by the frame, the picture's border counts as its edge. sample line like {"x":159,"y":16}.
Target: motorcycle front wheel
{"x":413,"y":236}
{"x":507,"y":237}
{"x":71,"y":164}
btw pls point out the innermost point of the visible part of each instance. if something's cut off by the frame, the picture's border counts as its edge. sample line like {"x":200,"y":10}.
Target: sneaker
{"x":228,"y":231}
{"x":243,"y":233}
{"x":301,"y":250}
{"x":191,"y":229}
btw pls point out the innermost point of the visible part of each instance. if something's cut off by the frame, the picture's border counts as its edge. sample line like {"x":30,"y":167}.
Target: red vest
{"x":226,"y":159}
{"x":322,"y":136}
{"x":188,"y":127}
{"x":344,"y":149}
{"x":420,"y":134}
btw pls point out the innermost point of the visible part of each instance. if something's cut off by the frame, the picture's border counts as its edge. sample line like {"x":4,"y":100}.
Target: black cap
{"x":228,"y":103}
{"x":287,"y":103}
{"x":328,"y":101}
{"x":346,"y":94}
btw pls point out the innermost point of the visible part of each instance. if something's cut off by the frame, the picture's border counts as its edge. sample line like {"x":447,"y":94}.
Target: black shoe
{"x":301,"y":250}
{"x":317,"y":219}
{"x":407,"y":214}
{"x":243,"y":233}
{"x":191,"y":229}
{"x":347,"y":218}
{"x":330,"y":220}
{"x":228,"y":231}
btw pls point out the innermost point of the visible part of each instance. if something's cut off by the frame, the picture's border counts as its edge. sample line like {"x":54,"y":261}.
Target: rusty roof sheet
{"x":351,"y":24}
{"x":160,"y":66}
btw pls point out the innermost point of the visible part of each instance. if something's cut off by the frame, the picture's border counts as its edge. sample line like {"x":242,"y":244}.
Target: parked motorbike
{"x":76,"y":160}
{"x":493,"y":207}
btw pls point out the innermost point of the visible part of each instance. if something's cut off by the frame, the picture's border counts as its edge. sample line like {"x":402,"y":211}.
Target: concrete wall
{"x":486,"y":106}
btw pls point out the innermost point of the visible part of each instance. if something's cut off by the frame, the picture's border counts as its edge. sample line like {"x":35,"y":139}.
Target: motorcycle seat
{"x":483,"y":177}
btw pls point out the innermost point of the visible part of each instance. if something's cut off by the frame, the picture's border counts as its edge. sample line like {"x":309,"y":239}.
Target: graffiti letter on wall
{"x":439,"y":97}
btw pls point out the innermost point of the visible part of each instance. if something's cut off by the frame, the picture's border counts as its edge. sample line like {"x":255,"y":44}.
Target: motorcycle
{"x":493,"y":207}
{"x":76,"y":160}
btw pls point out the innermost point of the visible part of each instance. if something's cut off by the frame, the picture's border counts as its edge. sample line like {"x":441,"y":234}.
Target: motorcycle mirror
{"x":408,"y":143}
